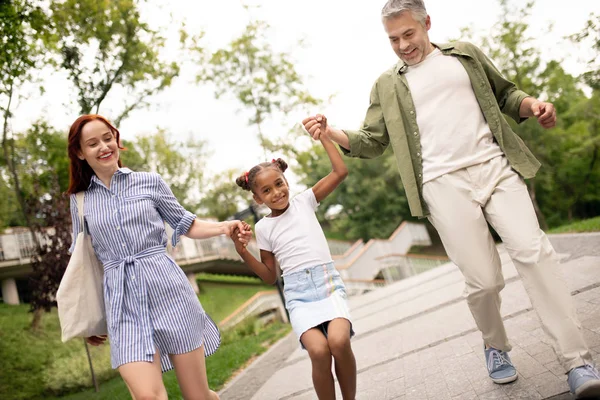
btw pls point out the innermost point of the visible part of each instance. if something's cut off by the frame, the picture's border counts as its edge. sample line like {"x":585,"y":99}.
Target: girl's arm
{"x":266,"y":268}
{"x":338,"y":173}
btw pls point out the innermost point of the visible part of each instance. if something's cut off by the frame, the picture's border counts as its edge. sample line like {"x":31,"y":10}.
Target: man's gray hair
{"x":393,"y":8}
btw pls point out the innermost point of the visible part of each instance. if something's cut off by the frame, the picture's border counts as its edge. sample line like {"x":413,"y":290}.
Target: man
{"x":441,"y":109}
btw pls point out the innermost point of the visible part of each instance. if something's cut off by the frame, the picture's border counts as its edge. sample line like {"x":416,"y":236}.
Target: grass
{"x":586,"y":225}
{"x":221,"y":298}
{"x":39,"y":365}
{"x":237,"y":348}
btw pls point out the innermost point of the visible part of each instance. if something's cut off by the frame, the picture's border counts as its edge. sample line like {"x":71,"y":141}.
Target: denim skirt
{"x":313,"y":297}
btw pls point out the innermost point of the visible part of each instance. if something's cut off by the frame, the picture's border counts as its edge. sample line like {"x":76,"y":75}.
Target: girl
{"x":314,"y":293}
{"x":155,"y":321}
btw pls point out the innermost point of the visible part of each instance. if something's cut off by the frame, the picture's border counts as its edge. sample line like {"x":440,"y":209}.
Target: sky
{"x":345,"y":49}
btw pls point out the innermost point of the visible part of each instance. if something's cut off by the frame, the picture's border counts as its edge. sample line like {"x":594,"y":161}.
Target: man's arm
{"x":514,"y":102}
{"x":368,"y":142}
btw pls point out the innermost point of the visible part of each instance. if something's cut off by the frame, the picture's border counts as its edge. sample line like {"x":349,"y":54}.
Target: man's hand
{"x":545,"y":113}
{"x":316,"y":126}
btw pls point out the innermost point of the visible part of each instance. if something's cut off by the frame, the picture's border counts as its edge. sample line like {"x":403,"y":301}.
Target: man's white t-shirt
{"x":454,"y":132}
{"x":295,"y":237}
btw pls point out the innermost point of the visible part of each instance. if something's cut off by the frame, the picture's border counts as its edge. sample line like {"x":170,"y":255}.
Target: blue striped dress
{"x":149,"y":301}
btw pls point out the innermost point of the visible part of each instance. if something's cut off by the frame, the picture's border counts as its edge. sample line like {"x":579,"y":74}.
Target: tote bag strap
{"x":80,"y":197}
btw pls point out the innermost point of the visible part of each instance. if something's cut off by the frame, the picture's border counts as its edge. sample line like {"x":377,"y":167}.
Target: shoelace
{"x":589,"y":369}
{"x":497,"y":360}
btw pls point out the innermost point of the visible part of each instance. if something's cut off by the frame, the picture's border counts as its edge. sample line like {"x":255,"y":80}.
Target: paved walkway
{"x":416,"y":339}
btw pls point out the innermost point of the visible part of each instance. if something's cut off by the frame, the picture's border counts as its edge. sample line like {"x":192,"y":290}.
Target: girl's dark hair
{"x":247,"y":179}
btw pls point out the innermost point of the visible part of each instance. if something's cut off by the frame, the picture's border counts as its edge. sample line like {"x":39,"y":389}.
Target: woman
{"x":155,"y":321}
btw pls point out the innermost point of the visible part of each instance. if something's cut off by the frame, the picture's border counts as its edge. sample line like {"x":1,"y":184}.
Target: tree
{"x":589,"y":38}
{"x":49,"y":263}
{"x":24,"y":26}
{"x":180,"y":163}
{"x":224,"y":197}
{"x":265,"y":82}
{"x":104,"y":46}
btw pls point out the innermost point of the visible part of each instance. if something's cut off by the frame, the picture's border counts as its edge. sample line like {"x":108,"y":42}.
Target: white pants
{"x":460,"y":203}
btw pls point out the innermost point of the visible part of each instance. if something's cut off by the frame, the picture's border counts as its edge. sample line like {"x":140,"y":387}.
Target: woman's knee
{"x":149,"y":394}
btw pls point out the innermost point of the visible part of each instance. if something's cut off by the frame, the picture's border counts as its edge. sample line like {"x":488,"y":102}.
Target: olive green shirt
{"x":391,"y":119}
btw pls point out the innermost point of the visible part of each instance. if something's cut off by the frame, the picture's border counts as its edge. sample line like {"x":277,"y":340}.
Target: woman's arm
{"x":207,"y":229}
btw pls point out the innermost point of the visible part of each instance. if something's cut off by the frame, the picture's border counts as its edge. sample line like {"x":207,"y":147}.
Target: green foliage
{"x":180,"y":163}
{"x":586,"y":225}
{"x":104,"y":45}
{"x":38,"y":365}
{"x":224,"y":198}
{"x":265,"y":82}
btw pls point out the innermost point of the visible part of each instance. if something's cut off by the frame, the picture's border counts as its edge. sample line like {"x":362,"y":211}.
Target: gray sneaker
{"x":499,"y":366}
{"x":584,"y":382}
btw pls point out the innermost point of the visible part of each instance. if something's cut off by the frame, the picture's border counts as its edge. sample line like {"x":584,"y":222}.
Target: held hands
{"x":96,"y":340}
{"x":238,"y":230}
{"x":240,"y":240}
{"x":317,"y":126}
{"x":545,"y":113}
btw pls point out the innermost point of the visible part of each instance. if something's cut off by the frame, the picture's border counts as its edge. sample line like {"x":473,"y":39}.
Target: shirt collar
{"x":119,"y":172}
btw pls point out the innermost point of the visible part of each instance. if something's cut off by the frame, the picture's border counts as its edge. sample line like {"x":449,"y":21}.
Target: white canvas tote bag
{"x":80,"y":296}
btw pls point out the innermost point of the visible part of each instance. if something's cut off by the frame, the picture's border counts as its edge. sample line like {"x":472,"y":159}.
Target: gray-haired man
{"x":440,"y":108}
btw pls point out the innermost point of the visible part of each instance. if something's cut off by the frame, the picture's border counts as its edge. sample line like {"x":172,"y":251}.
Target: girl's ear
{"x":257,"y":199}
{"x":80,"y":155}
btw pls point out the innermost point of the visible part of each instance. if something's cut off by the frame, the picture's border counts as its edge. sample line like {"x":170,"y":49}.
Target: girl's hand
{"x":236,"y":236}
{"x":244,"y":233}
{"x":323,"y":127}
{"x":96,"y":340}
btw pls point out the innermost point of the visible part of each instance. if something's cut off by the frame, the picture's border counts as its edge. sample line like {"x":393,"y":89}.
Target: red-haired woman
{"x":155,"y":321}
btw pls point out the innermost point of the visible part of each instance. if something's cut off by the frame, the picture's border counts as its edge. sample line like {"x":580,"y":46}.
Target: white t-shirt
{"x":454,"y":132}
{"x":295,"y":237}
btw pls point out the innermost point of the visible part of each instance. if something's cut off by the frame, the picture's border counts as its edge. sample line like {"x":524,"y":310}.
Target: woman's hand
{"x":240,"y":247}
{"x":96,"y":340}
{"x":238,"y":231}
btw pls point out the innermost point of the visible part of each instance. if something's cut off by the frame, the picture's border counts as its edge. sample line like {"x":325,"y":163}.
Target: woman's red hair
{"x":80,"y":172}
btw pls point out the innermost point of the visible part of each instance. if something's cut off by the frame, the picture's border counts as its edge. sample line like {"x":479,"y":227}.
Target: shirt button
{"x":418,"y":155}
{"x":125,"y":245}
{"x":118,"y":227}
{"x":411,"y":112}
{"x":415,"y":133}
